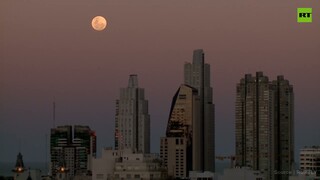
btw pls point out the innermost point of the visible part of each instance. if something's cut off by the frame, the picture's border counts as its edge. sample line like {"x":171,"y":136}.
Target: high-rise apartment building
{"x":283,"y":126}
{"x":197,"y":75}
{"x":132,"y":121}
{"x":71,"y":151}
{"x":264,"y":125}
{"x":253,"y":123}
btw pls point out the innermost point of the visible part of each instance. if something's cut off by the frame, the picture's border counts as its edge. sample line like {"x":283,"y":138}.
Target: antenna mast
{"x":46,"y":152}
{"x":19,"y":145}
{"x":54,"y":112}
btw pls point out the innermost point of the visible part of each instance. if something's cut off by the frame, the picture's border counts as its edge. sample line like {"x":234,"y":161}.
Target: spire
{"x":29,"y":176}
{"x":19,"y":164}
{"x":133,"y":81}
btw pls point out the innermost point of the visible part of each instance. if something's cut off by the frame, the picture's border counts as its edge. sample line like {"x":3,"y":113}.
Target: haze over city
{"x":48,"y":49}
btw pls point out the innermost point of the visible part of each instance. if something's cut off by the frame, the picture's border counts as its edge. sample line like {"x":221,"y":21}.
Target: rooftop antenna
{"x":46,"y":152}
{"x":54,"y":112}
{"x":20,"y":145}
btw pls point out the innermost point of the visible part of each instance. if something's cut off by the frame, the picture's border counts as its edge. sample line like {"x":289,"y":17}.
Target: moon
{"x":99,"y":23}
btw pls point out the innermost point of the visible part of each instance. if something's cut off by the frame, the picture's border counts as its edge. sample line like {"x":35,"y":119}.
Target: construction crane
{"x":231,"y":158}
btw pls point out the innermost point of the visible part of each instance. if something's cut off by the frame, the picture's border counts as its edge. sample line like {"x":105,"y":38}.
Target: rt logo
{"x":304,"y":15}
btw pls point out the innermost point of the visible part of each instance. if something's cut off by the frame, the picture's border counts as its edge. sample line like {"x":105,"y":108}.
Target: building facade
{"x":71,"y":150}
{"x":283,"y":126}
{"x":132,"y":120}
{"x":126,"y":164}
{"x":197,"y":75}
{"x":264,"y":125}
{"x":139,"y":166}
{"x":310,"y":161}
{"x":173,"y":152}
{"x":176,"y":149}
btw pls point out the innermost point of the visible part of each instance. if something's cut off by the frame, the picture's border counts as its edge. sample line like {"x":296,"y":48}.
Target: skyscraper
{"x":176,"y":147}
{"x":132,"y":121}
{"x":72,"y":150}
{"x":283,"y":126}
{"x":197,"y":75}
{"x":264,"y":125}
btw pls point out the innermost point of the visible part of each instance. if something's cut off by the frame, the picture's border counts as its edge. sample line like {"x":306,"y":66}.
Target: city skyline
{"x":84,"y":69}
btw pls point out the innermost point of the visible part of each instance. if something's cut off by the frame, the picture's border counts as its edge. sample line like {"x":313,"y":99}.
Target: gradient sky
{"x":48,"y":48}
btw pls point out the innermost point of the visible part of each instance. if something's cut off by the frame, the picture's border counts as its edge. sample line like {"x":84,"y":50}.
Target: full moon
{"x":99,"y":23}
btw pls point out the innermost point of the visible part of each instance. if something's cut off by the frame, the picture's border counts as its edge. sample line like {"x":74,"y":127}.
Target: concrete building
{"x":132,"y":120}
{"x":283,"y":127}
{"x":139,"y":166}
{"x":264,"y":125}
{"x":71,"y":151}
{"x":310,"y":162}
{"x":176,"y":149}
{"x":173,"y":152}
{"x":253,"y":121}
{"x":103,"y":168}
{"x":197,"y":75}
{"x":126,"y":164}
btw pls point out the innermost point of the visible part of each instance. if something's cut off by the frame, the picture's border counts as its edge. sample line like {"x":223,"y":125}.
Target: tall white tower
{"x":132,"y":121}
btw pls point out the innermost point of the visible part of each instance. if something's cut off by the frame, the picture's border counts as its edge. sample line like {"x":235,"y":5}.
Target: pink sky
{"x":48,"y":48}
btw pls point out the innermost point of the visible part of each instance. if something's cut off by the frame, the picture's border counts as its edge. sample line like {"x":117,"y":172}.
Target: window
{"x":137,"y":176}
{"x":99,"y":176}
{"x":182,"y":96}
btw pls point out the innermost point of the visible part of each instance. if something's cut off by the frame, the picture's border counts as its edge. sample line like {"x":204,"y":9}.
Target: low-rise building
{"x":125,"y":164}
{"x":310,"y":162}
